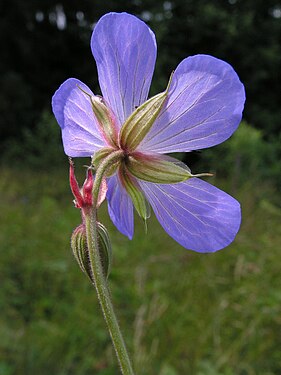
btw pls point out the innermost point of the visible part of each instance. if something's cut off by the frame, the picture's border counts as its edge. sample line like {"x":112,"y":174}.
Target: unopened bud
{"x":81,"y":252}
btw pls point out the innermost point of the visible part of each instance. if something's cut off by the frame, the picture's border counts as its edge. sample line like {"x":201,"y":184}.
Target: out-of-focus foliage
{"x":39,"y":148}
{"x":246,"y":156}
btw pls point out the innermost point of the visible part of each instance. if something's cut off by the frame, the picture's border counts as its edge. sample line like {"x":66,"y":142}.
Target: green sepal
{"x":100,"y":155}
{"x":139,"y":201}
{"x":80,"y":250}
{"x":140,"y":121}
{"x":157,"y":169}
{"x":105,"y":118}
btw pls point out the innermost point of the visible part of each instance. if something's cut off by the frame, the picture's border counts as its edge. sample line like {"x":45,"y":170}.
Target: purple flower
{"x":201,"y":107}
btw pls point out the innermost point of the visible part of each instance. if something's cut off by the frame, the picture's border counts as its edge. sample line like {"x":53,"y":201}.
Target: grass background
{"x":181,"y":312}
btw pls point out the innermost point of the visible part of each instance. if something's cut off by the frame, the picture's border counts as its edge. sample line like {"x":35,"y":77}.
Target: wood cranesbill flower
{"x":201,"y":107}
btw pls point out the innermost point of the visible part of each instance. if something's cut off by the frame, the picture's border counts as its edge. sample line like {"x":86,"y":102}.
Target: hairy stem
{"x":100,"y":281}
{"x":104,"y":165}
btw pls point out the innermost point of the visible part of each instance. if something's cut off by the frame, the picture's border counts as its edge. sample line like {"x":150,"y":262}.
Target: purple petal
{"x":204,"y":107}
{"x":125,"y":51}
{"x":73,"y":111}
{"x":196,"y":214}
{"x":120,"y":207}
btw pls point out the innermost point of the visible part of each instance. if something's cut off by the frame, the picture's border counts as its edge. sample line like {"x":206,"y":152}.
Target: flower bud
{"x":81,"y":252}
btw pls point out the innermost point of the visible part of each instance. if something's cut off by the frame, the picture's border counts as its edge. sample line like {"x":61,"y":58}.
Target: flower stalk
{"x":98,"y":276}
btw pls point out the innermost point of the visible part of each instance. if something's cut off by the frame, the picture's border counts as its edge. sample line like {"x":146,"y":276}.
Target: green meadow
{"x":180,"y":312}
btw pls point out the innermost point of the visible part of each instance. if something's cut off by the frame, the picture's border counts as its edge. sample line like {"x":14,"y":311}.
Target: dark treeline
{"x":44,"y":42}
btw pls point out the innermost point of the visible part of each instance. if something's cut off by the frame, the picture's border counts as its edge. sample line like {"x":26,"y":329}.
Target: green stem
{"x":100,"y":282}
{"x":100,"y":172}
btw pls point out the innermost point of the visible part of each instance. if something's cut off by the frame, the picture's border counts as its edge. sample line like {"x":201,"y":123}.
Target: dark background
{"x":45,"y":42}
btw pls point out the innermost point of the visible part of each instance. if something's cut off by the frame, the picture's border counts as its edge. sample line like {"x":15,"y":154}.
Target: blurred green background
{"x":182,"y":313}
